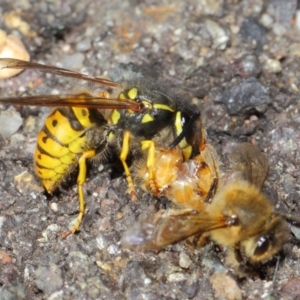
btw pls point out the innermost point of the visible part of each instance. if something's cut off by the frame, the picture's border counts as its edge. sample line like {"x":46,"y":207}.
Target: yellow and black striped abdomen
{"x":60,"y":143}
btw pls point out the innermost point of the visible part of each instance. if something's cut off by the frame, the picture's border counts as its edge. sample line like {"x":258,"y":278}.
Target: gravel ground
{"x":224,"y":53}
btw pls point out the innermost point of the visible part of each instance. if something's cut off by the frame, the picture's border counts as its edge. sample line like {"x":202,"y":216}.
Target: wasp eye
{"x":262,"y":245}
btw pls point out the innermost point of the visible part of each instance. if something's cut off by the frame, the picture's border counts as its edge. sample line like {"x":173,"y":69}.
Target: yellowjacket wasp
{"x":135,"y":115}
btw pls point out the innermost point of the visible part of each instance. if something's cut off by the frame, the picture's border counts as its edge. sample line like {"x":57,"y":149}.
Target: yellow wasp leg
{"x":81,"y":178}
{"x":123,"y":157}
{"x":150,"y":145}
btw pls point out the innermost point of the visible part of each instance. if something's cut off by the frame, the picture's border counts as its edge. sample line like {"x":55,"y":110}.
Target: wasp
{"x":232,"y":211}
{"x":132,"y":116}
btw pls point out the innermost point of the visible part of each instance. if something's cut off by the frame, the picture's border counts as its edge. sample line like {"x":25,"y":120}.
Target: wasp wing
{"x":74,"y":100}
{"x":169,"y":227}
{"x":11,"y":63}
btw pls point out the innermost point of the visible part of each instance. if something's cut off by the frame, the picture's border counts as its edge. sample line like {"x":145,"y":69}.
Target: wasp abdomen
{"x":60,"y":143}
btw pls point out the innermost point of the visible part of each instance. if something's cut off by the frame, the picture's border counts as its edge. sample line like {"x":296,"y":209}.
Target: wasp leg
{"x":80,"y":182}
{"x":123,"y":157}
{"x":150,"y":145}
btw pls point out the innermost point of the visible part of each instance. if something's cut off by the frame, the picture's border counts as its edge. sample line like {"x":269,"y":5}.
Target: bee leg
{"x":123,"y":157}
{"x":150,"y":145}
{"x":80,"y":182}
{"x":202,"y":240}
{"x":235,"y":261}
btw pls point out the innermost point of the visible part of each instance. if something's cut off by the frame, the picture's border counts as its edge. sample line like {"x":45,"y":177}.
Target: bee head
{"x":269,"y":241}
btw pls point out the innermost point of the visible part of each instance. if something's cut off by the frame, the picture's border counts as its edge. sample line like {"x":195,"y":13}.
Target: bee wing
{"x":74,"y":100}
{"x":169,"y":227}
{"x":250,"y":162}
{"x":11,"y":63}
{"x":210,"y":158}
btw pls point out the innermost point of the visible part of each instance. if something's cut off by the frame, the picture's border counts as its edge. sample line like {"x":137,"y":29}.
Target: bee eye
{"x":262,"y":246}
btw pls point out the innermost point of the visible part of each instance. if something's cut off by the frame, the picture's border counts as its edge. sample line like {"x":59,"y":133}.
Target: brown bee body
{"x":238,"y":217}
{"x":187,"y":183}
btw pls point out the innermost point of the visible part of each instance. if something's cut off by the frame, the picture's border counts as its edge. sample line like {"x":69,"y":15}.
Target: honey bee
{"x":188,"y":183}
{"x":135,"y":115}
{"x":239,"y":217}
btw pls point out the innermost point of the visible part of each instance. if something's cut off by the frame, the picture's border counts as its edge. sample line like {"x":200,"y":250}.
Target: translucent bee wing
{"x":169,"y":227}
{"x":249,"y":163}
{"x":209,"y":156}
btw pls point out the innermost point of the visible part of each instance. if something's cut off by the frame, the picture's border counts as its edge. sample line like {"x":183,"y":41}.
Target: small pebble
{"x":184,"y":260}
{"x":267,"y":20}
{"x":291,"y":289}
{"x":177,"y":276}
{"x":12,"y":47}
{"x":13,"y":20}
{"x":17,"y":139}
{"x":279,"y":29}
{"x":253,"y":32}
{"x":225,"y":287}
{"x":48,"y":278}
{"x":218,"y":34}
{"x":54,"y":206}
{"x":56,"y":295}
{"x":249,"y":93}
{"x":113,"y":249}
{"x":272,"y":65}
{"x":30,"y":123}
{"x":27,"y":184}
{"x":83,"y":45}
{"x":211,"y":7}
{"x":12,"y":291}
{"x":294,"y":49}
{"x":296,"y":231}
{"x":10,"y":121}
{"x":73,"y":61}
